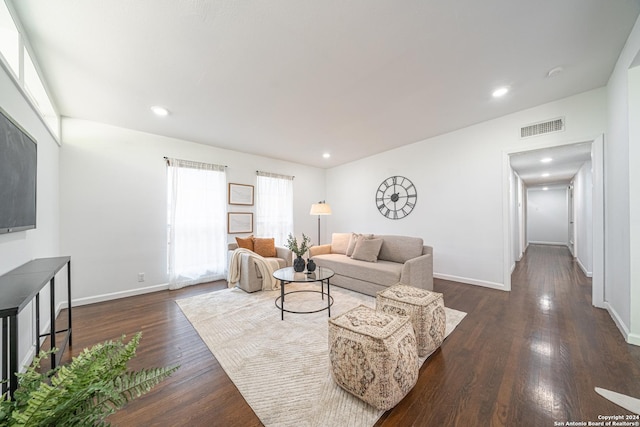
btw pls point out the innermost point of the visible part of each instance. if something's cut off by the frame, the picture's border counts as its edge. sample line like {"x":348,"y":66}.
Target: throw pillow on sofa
{"x":367,"y":249}
{"x":339,"y":243}
{"x":353,"y":240}
{"x":245,"y":243}
{"x":264,"y":247}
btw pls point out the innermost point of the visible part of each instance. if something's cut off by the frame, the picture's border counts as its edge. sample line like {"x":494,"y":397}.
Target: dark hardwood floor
{"x":529,"y":357}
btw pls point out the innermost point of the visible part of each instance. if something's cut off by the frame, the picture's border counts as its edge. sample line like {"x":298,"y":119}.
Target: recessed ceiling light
{"x":502,"y":91}
{"x":546,"y":160}
{"x":326,"y":155}
{"x":545,"y":188}
{"x":546,"y":174}
{"x":160,"y":111}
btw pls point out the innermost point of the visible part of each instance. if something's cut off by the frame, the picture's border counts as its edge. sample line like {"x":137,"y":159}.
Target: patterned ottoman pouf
{"x":373,"y":355}
{"x":425,"y":308}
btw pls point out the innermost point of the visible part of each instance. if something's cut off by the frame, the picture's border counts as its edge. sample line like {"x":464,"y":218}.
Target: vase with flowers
{"x":299,"y":250}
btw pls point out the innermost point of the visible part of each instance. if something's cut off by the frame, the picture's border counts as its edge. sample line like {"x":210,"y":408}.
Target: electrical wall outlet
{"x":140,"y":277}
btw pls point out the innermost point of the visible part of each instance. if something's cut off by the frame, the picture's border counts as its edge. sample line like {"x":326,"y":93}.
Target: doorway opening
{"x":554,"y":194}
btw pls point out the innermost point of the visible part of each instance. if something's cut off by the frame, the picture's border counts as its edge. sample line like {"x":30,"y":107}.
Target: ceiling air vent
{"x":555,"y":125}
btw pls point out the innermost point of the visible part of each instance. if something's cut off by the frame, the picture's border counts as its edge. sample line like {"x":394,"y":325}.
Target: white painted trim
{"x":597,"y":152}
{"x":28,"y":358}
{"x":468,"y":281}
{"x":597,"y":218}
{"x":534,"y":242}
{"x":116,"y":295}
{"x":506,"y":221}
{"x":583,"y":268}
{"x":621,"y":326}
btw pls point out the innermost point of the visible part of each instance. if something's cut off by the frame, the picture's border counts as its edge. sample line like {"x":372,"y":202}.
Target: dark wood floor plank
{"x":528,"y":357}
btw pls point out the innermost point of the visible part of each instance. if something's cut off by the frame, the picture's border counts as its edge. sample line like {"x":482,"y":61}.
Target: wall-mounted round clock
{"x":396,"y":197}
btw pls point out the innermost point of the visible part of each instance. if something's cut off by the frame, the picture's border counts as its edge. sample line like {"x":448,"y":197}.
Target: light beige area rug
{"x":627,"y":402}
{"x":281,"y":367}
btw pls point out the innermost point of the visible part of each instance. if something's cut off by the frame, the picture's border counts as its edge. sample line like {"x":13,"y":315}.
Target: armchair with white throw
{"x":251,"y":267}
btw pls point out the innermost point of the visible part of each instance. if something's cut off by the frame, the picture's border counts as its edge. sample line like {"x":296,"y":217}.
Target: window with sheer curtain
{"x":274,"y":206}
{"x":196,"y":223}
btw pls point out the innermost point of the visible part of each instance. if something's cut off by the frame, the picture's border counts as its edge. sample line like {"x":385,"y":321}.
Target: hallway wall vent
{"x":540,"y":128}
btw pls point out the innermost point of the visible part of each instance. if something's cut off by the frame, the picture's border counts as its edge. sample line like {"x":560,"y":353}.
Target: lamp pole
{"x":320,"y":208}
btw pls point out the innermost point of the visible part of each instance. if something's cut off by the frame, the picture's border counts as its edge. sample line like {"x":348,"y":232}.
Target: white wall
{"x":583,"y":217}
{"x":18,"y":248}
{"x":634,"y":200}
{"x":459,"y":178}
{"x":622,"y":234}
{"x":548,"y":216}
{"x":114,"y":208}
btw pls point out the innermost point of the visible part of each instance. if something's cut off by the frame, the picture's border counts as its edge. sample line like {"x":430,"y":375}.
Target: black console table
{"x":17,"y":289}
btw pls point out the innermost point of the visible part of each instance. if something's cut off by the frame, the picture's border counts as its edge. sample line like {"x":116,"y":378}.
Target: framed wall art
{"x":239,"y":222}
{"x":240,"y":194}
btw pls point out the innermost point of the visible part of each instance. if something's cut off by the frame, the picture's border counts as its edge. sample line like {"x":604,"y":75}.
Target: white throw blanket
{"x":266,"y":266}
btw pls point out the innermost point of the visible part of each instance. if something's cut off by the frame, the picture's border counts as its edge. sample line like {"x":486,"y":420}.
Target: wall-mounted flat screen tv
{"x":18,"y":172}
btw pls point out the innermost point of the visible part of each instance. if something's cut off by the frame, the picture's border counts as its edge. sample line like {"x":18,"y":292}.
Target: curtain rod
{"x":275,"y":175}
{"x":167,"y":159}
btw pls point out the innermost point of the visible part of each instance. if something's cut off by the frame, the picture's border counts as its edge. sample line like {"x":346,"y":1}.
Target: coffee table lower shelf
{"x":327,"y":307}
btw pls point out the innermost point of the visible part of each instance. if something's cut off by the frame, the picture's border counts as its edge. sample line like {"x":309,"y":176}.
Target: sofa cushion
{"x":245,"y":243}
{"x":399,"y":248}
{"x":353,"y":240}
{"x":340,"y":242}
{"x":264,"y":247}
{"x":367,"y":249}
{"x":384,"y":273}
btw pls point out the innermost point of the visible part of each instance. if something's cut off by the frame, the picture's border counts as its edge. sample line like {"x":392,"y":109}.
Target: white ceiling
{"x":565,"y":162}
{"x":292,"y":79}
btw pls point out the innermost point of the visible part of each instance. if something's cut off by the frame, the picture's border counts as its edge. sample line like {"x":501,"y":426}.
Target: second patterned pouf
{"x":373,"y":355}
{"x":425,"y":308}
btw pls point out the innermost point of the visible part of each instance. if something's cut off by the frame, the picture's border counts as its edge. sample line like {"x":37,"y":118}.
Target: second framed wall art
{"x":239,"y":222}
{"x":240,"y":194}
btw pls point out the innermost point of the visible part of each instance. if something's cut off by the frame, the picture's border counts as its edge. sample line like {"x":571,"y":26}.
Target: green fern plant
{"x":83,"y":393}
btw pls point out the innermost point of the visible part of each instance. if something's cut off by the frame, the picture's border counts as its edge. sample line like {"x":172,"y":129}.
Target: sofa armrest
{"x":232,"y":246}
{"x":285,"y":254}
{"x":418,"y":272}
{"x":319,"y":250}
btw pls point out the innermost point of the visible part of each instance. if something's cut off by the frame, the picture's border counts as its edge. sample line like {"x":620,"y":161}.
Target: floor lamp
{"x":320,"y":208}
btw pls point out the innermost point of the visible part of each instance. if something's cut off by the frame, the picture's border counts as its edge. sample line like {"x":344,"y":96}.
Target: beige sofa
{"x":401,"y":259}
{"x":250,"y":277}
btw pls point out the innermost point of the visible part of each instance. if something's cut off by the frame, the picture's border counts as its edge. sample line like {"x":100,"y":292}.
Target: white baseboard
{"x":583,"y":268}
{"x":532,"y":242}
{"x":28,"y":358}
{"x":483,"y":283}
{"x":634,"y":339}
{"x":116,"y":295}
{"x":628,"y":336}
{"x":31,"y":353}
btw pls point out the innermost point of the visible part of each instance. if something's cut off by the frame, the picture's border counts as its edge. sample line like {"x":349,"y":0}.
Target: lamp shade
{"x":320,"y":209}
